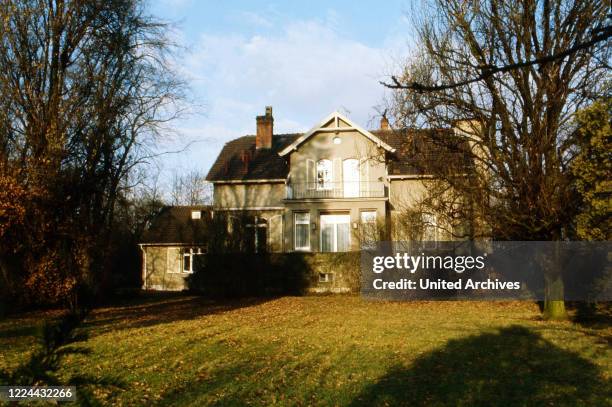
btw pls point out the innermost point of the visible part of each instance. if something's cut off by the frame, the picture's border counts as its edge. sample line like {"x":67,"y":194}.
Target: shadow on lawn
{"x":593,"y":315}
{"x":513,"y":367}
{"x":18,"y":331}
{"x":161,"y":308}
{"x":59,"y":338}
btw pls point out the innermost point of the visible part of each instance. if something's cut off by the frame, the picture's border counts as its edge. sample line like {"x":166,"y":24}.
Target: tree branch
{"x":488,"y":71}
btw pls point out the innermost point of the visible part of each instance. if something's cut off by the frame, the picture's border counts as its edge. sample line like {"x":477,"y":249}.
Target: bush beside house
{"x":249,"y":274}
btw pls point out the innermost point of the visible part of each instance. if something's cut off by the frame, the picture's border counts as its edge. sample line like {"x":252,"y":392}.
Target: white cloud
{"x":254,"y":19}
{"x":305,"y":70}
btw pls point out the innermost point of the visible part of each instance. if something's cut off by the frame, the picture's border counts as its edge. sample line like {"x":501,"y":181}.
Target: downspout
{"x":144,"y":267}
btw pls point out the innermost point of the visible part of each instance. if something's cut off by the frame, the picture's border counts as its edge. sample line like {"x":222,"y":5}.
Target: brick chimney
{"x":265,"y":127}
{"x":384,"y":123}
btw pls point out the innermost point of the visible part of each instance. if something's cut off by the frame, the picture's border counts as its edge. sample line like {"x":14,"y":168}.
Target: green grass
{"x":335,"y":350}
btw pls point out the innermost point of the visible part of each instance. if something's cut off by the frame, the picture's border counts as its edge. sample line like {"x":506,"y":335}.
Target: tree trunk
{"x":8,"y":277}
{"x":554,"y":302}
{"x":554,"y":310}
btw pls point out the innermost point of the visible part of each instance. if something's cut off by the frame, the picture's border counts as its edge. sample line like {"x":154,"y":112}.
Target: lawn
{"x":332,"y":350}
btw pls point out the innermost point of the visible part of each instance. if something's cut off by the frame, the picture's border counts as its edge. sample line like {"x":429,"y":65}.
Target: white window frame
{"x":256,"y":224}
{"x":367,"y":219}
{"x":369,"y":212}
{"x":328,"y":177}
{"x":301,"y":222}
{"x":190,"y":256}
{"x":326,"y":277}
{"x":364,"y":178}
{"x":335,"y":237}
{"x":190,"y":252}
{"x":430,"y":225}
{"x":351,"y":189}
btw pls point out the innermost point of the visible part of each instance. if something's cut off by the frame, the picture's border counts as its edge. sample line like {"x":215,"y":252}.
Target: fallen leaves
{"x":287,"y":351}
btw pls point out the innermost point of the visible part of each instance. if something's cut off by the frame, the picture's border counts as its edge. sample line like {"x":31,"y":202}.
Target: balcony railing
{"x":331,"y":190}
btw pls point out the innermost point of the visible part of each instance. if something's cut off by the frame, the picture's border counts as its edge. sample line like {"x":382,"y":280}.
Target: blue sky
{"x":304,"y":58}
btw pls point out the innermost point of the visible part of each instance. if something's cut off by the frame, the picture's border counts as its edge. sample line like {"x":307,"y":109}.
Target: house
{"x":172,"y":245}
{"x":331,"y":189}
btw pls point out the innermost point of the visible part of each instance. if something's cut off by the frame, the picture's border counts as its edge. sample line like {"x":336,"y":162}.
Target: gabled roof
{"x":335,"y":119}
{"x":240,"y":160}
{"x":410,"y":152}
{"x":174,"y":224}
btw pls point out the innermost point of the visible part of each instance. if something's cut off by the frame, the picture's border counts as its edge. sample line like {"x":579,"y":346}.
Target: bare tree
{"x":85,"y":87}
{"x":509,"y":75}
{"x":190,"y":188}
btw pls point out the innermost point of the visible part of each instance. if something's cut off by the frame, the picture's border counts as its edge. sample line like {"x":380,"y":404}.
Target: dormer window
{"x":324,"y":174}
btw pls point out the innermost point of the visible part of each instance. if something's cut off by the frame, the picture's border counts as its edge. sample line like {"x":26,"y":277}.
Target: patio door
{"x":335,"y":233}
{"x":350,"y":175}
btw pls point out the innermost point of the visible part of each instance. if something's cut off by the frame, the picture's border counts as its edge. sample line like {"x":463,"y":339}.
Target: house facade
{"x":330,"y":189}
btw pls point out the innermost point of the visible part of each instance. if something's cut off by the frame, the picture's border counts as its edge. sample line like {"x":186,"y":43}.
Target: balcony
{"x":336,"y":190}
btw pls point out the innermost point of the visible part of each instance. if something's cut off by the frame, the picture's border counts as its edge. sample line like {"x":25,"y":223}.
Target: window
{"x":196,"y":215}
{"x":326,"y":277}
{"x":368,"y":217}
{"x":335,"y":233}
{"x":350,"y":172}
{"x":324,"y":174}
{"x":302,"y":231}
{"x":364,"y":172}
{"x":368,"y":228}
{"x":256,"y":234}
{"x":261,"y":238}
{"x":189,"y":258}
{"x":187,"y":263}
{"x":430,"y":230}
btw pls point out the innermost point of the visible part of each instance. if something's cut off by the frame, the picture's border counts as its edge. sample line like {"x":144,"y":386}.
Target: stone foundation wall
{"x":242,"y":274}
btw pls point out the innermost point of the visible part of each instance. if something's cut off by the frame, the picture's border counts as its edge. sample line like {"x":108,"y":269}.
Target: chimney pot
{"x":265,"y":129}
{"x":384,"y":123}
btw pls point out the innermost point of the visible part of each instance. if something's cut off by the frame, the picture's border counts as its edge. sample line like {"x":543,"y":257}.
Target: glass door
{"x":335,"y":233}
{"x":350,"y":175}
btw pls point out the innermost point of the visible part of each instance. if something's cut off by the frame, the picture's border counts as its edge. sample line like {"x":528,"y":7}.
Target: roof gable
{"x":335,"y":122}
{"x":411,"y":152}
